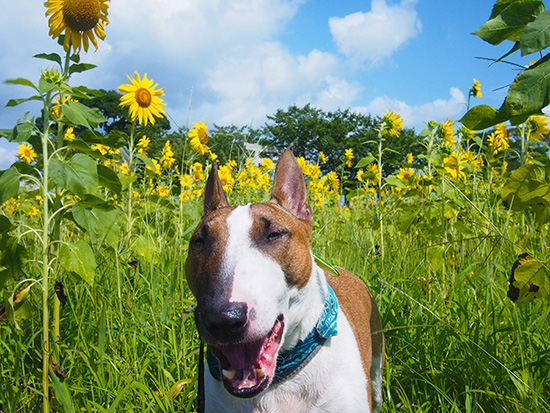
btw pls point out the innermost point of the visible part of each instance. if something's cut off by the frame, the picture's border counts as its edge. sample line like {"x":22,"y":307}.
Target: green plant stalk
{"x":380,"y":211}
{"x":45,"y":262}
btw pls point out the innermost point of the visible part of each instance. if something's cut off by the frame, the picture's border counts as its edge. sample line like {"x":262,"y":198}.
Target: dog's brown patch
{"x":362,"y":313}
{"x":276,"y":232}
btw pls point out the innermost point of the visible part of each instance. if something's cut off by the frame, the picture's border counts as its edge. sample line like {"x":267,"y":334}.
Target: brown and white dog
{"x":278,"y":340}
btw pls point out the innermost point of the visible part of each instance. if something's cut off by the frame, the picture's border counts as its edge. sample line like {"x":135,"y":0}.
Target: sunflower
{"x":167,"y":158}
{"x":81,"y":20}
{"x":538,"y":126}
{"x":348,"y":153}
{"x":446,"y":132}
{"x":199,"y":137}
{"x":392,"y":123}
{"x":143,"y":98}
{"x":476,"y":89}
{"x":143,"y":144}
{"x":26,"y":153}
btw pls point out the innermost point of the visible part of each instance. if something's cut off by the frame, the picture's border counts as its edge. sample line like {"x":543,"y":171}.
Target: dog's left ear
{"x":289,"y":187}
{"x":214,"y":195}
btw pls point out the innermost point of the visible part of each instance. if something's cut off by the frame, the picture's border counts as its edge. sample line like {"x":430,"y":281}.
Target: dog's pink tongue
{"x":249,"y":363}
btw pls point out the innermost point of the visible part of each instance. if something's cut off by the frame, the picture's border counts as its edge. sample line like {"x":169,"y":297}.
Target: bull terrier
{"x":283,"y":334}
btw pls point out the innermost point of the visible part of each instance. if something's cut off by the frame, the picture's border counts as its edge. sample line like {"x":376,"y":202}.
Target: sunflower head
{"x":26,"y":153}
{"x":538,"y":127}
{"x":143,"y":98}
{"x":199,"y":138}
{"x":80,"y":21}
{"x":476,"y":89}
{"x":392,"y":123}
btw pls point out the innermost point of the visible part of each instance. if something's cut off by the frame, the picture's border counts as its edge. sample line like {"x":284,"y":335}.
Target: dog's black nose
{"x":227,"y":322}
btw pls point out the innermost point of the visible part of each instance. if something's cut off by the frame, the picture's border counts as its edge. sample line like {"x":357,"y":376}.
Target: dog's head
{"x":245,"y":266}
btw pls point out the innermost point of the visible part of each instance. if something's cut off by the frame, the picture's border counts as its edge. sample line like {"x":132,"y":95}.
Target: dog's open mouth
{"x":248,"y":368}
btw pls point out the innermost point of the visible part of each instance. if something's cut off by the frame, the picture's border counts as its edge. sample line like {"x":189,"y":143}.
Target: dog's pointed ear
{"x":214,"y":195}
{"x":289,"y":187}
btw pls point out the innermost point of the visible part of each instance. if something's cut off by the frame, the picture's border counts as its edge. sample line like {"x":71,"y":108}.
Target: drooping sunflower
{"x":167,"y":158}
{"x":538,"y":126}
{"x":199,"y":137}
{"x":143,"y":98}
{"x":26,"y":153}
{"x":348,"y":154}
{"x":392,"y":123}
{"x":81,"y":20}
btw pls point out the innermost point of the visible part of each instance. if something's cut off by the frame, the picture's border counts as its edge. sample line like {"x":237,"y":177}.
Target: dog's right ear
{"x":214,"y":195}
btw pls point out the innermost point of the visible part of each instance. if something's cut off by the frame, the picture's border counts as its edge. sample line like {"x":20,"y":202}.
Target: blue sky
{"x":244,"y":59}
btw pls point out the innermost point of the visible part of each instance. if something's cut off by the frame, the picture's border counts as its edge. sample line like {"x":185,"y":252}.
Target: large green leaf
{"x":97,"y":222}
{"x":530,"y":91}
{"x":13,"y":257}
{"x":109,"y":179}
{"x":510,"y":21}
{"x":79,"y":114}
{"x":482,"y":117}
{"x":529,"y":280}
{"x":536,"y":35}
{"x":9,"y":184}
{"x":78,"y":175}
{"x":78,"y":259}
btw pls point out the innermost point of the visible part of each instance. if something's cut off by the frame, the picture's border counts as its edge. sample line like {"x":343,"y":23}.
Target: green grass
{"x":454,"y":342}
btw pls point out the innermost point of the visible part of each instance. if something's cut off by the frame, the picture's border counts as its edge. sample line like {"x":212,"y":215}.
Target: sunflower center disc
{"x":143,"y":97}
{"x":81,"y":15}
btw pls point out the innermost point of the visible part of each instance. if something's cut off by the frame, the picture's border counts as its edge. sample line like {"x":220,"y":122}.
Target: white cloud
{"x":375,"y":35}
{"x":268,"y":77}
{"x":8,"y":154}
{"x":416,"y":115}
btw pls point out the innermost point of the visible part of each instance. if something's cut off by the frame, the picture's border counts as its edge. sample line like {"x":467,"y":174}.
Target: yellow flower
{"x":476,"y":89}
{"x":33,"y":211}
{"x":538,"y":126}
{"x":124,"y":168}
{"x":163,"y":190}
{"x":156,"y":169}
{"x":213,"y":156}
{"x":453,"y":168}
{"x":199,"y":138}
{"x":446,"y":132}
{"x":267,"y":163}
{"x":348,"y":153}
{"x":198,"y":171}
{"x":303,"y":163}
{"x":360,"y":173}
{"x":26,"y":153}
{"x":185,"y":180}
{"x":81,"y":20}
{"x":69,"y":134}
{"x":405,"y":174}
{"x":312,"y":170}
{"x":56,"y":107}
{"x":498,"y":140}
{"x":334,"y":180}
{"x":143,"y":98}
{"x":475,"y":160}
{"x":392,"y":123}
{"x":167,"y":158}
{"x":226,"y":178}
{"x":143,"y":145}
{"x":374,"y":172}
{"x":322,"y":157}
{"x":101,"y":148}
{"x":409,"y":158}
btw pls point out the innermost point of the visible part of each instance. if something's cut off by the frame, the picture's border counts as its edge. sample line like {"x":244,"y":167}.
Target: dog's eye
{"x":274,"y":235}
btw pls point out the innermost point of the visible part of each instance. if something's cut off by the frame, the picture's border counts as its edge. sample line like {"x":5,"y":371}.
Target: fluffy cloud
{"x":415,"y":116}
{"x":375,"y":35}
{"x":269,"y":77}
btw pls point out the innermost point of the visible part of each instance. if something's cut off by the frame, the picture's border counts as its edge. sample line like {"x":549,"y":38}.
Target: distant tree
{"x":308,"y":131}
{"x":228,"y":142}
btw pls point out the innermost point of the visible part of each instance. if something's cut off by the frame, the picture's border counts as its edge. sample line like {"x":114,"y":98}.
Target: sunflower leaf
{"x":15,"y":102}
{"x":80,"y":67}
{"x":78,"y":259}
{"x":79,"y":114}
{"x":52,"y":57}
{"x":529,"y":280}
{"x":536,"y":35}
{"x":21,"y":81}
{"x":9,"y":184}
{"x":78,"y":175}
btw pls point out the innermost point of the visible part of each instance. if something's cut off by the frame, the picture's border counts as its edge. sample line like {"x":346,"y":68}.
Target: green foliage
{"x":527,"y":25}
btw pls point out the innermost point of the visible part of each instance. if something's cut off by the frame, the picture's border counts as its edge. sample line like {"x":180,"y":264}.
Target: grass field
{"x":455,"y":342}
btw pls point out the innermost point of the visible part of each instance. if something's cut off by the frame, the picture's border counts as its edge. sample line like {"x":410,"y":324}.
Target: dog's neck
{"x":305,"y":308}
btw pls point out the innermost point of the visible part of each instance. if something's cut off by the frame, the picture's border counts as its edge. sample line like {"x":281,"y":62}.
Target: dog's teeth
{"x":260,"y":372}
{"x":229,"y":374}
